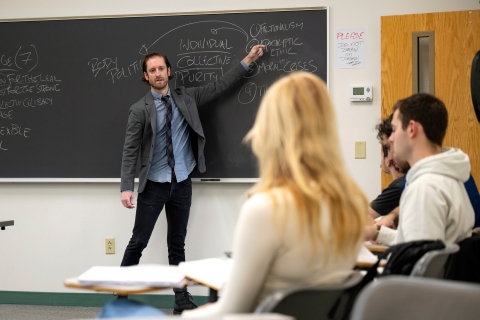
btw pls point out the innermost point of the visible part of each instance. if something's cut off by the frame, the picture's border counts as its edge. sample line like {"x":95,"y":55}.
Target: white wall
{"x":60,"y":228}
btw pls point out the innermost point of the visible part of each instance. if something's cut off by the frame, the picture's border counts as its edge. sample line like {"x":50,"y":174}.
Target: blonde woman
{"x":304,"y":221}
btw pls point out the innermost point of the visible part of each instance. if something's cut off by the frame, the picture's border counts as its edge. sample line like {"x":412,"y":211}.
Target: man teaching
{"x":165,"y":133}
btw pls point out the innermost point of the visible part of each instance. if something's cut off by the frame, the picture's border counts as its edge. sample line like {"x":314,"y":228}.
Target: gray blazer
{"x":142,"y":123}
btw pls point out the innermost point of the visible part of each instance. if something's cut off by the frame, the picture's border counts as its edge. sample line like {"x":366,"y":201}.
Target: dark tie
{"x":170,"y":158}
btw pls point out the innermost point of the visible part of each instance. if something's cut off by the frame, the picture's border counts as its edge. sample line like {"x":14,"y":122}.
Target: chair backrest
{"x":307,"y":302}
{"x":403,"y":297}
{"x":466,"y":263}
{"x":435,"y":263}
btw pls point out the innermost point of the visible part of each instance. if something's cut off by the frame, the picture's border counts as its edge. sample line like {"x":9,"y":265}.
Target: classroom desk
{"x":121,"y":290}
{"x":238,"y":316}
{"x":196,"y":278}
{"x":366,"y":265}
{"x":213,"y":296}
{"x":4,"y":224}
{"x":376,"y":248}
{"x":212,"y":289}
{"x":127,"y":290}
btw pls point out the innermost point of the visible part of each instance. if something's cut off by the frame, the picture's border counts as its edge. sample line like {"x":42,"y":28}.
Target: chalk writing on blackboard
{"x":66,"y":85}
{"x":262,"y":28}
{"x":229,"y":26}
{"x":21,"y":87}
{"x":112,"y":69}
{"x":203,"y":59}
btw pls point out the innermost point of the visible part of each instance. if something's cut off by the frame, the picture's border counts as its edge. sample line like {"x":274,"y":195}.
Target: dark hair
{"x":427,"y":110}
{"x":148,"y":57}
{"x":384,"y":128}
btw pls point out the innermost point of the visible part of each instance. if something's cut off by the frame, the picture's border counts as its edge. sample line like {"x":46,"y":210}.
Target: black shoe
{"x":183,"y":301}
{"x":120,"y":296}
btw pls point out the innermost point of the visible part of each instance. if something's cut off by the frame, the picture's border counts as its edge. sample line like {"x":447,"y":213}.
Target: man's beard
{"x":157,"y":86}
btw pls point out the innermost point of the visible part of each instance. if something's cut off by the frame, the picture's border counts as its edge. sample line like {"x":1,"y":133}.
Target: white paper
{"x":375,"y":247}
{"x":350,"y":48}
{"x":259,"y":316}
{"x":366,"y":256}
{"x":213,"y":272}
{"x":145,"y":275}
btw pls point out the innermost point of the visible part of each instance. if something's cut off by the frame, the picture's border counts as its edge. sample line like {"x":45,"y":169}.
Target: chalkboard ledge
{"x":117,"y":180}
{"x":61,"y":180}
{"x":225,"y":180}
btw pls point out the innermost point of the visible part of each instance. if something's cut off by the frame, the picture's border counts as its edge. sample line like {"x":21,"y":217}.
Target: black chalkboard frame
{"x":249,"y":177}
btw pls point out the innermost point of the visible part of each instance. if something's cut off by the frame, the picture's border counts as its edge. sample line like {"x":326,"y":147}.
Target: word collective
{"x":202,"y":60}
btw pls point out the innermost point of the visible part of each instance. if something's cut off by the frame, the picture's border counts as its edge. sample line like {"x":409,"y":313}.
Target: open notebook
{"x":366,"y":256}
{"x":143,"y":275}
{"x":213,"y":273}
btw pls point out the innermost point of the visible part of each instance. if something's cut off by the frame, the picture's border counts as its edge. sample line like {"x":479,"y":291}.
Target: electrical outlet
{"x":109,"y":245}
{"x":360,"y":149}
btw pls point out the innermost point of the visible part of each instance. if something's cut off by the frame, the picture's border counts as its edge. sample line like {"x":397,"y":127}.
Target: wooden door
{"x":457,"y":39}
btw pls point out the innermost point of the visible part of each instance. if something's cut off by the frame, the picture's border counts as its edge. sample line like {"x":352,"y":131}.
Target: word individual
{"x":204,"y":44}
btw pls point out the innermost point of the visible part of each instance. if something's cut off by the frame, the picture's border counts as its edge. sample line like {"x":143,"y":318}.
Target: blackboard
{"x":66,"y":85}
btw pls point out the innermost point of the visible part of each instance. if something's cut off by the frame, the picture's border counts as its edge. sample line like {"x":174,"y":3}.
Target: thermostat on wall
{"x":361,"y":94}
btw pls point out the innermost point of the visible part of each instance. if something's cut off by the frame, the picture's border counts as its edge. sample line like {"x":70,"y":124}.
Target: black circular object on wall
{"x":475,"y":84}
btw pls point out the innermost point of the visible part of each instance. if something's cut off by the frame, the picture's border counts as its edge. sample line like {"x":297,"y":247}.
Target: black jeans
{"x":177,"y":198}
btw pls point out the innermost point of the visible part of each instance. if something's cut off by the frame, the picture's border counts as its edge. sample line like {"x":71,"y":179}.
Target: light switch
{"x":360,"y":149}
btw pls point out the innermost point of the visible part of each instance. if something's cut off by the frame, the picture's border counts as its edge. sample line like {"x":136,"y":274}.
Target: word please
{"x":350,"y":35}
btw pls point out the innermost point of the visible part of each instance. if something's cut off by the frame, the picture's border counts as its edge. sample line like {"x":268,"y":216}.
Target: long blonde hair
{"x":295,"y":140}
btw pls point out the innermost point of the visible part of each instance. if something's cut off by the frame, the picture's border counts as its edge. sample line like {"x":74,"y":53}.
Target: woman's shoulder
{"x":266,"y":202}
{"x":260,"y":211}
{"x":273,"y":196}
{"x":259,"y":201}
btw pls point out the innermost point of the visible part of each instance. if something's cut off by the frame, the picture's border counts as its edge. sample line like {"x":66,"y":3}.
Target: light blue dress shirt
{"x":182,"y":149}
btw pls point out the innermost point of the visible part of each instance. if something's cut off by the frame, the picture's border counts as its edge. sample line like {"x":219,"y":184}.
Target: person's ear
{"x":413,"y":129}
